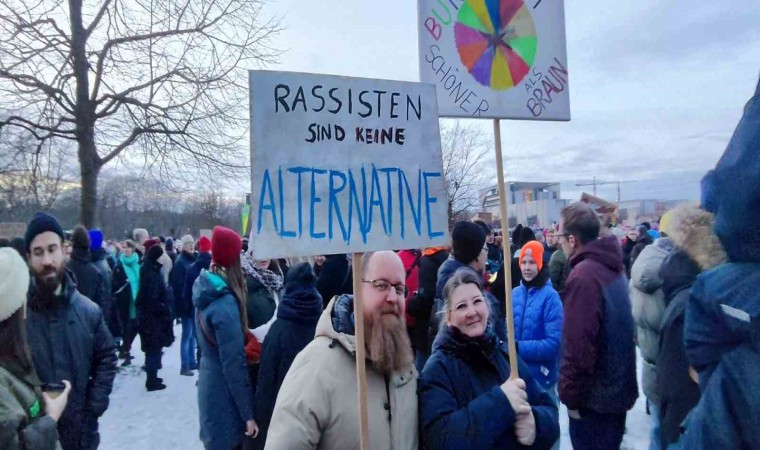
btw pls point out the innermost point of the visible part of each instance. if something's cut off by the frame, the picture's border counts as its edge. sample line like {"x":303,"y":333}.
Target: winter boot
{"x":153,"y":383}
{"x":186,"y":372}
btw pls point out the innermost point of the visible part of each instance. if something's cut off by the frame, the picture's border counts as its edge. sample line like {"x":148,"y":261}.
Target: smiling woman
{"x":466,"y":397}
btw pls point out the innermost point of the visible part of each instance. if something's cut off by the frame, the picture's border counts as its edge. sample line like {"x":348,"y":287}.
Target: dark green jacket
{"x":23,"y":423}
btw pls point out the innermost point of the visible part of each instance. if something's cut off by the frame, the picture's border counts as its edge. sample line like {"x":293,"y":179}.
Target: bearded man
{"x":68,"y":338}
{"x":317,"y":406}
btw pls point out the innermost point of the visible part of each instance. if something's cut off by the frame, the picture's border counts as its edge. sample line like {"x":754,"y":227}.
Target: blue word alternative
{"x":354,"y":200}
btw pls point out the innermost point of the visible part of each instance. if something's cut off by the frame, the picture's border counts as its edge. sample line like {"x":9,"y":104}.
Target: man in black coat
{"x":68,"y":338}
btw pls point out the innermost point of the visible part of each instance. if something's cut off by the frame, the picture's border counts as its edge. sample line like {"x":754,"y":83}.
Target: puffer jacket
{"x":23,"y":422}
{"x":86,"y":356}
{"x":462,"y":405}
{"x":225,"y":397}
{"x":153,"y":308}
{"x":722,"y":338}
{"x":648,"y":303}
{"x":183,"y":306}
{"x":317,"y":407}
{"x":538,"y":330}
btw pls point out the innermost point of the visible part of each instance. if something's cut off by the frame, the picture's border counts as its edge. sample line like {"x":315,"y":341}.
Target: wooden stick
{"x":361,"y":374}
{"x":507,"y":255}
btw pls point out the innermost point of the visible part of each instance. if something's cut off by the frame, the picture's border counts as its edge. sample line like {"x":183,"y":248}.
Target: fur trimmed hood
{"x":693,"y":230}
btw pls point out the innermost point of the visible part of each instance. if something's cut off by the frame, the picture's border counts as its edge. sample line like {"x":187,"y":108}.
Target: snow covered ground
{"x":168,"y":419}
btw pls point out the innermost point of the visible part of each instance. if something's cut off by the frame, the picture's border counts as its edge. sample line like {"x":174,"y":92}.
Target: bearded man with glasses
{"x":317,"y":406}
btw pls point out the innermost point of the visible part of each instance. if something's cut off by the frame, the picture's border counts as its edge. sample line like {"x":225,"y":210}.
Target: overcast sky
{"x":656,"y":87}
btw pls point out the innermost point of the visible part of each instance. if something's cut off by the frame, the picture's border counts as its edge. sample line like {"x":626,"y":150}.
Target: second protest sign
{"x":342,"y":165}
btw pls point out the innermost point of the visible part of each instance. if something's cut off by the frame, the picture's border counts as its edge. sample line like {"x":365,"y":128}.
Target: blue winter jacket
{"x":496,"y":315}
{"x":225,"y":397}
{"x":722,"y":335}
{"x":462,"y":405}
{"x":538,"y":330}
{"x":202,"y":262}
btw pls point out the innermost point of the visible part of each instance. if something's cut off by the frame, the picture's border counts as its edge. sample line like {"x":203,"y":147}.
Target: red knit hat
{"x":204,"y":244}
{"x":225,"y":246}
{"x":534,"y":249}
{"x":149,"y":243}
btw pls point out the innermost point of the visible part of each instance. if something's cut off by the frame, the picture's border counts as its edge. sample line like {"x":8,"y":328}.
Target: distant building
{"x":634,"y":212}
{"x":528,"y":203}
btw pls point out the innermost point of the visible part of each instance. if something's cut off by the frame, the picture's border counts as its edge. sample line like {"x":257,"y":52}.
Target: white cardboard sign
{"x":502,"y":59}
{"x":342,"y":165}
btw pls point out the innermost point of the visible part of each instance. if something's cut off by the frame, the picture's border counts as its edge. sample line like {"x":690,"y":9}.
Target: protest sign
{"x":496,"y":58}
{"x":342,"y":165}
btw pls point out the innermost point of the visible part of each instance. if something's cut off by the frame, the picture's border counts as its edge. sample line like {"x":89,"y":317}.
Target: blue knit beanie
{"x":96,"y":239}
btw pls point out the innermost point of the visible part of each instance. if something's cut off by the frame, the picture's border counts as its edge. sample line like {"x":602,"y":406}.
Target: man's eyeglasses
{"x":558,"y":235}
{"x":385,"y":285}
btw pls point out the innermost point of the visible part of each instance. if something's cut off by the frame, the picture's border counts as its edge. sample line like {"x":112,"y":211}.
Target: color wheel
{"x":496,"y":40}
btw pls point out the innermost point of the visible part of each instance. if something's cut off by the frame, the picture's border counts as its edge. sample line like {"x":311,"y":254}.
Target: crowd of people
{"x":273,"y":342}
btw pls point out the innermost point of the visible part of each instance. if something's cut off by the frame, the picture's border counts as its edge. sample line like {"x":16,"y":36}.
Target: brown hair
{"x":236,"y":282}
{"x":581,"y":221}
{"x":13,"y":341}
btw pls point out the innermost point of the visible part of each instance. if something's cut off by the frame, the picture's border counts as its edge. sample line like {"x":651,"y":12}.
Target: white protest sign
{"x":501,"y":59}
{"x":342,"y":165}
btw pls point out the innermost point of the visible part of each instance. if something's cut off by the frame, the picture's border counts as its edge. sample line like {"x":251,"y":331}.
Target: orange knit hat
{"x":534,"y":249}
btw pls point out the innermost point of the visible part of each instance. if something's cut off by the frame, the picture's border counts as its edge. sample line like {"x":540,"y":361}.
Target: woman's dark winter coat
{"x":153,"y":308}
{"x":461,"y":401}
{"x":678,"y":392}
{"x":335,"y":278}
{"x":297,"y":317}
{"x":224,"y":389}
{"x":183,"y":305}
{"x":420,"y":305}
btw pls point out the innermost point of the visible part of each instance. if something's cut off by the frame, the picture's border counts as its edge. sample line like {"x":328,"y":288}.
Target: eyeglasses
{"x":385,"y":285}
{"x":561,"y":235}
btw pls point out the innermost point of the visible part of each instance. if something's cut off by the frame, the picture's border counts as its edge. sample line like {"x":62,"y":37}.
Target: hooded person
{"x":84,"y":352}
{"x":154,"y":315}
{"x":317,"y":404}
{"x":98,"y":256}
{"x":225,"y":397}
{"x":27,"y":416}
{"x":297,"y":315}
{"x":170,"y":251}
{"x":643,"y":239}
{"x":696,"y":249}
{"x":334,"y":277}
{"x":722,"y":328}
{"x":468,"y":250}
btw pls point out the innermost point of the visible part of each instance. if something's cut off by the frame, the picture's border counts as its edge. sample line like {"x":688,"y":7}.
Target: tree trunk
{"x":84,"y":114}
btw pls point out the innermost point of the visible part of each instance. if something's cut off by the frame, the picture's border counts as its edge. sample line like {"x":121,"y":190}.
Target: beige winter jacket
{"x":317,"y":406}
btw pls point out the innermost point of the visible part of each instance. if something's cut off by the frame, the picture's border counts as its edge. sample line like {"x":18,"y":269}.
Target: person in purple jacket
{"x":597,"y":377}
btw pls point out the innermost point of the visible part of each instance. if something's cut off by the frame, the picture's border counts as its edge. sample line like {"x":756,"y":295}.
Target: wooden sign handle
{"x":507,"y":254}
{"x":361,"y":373}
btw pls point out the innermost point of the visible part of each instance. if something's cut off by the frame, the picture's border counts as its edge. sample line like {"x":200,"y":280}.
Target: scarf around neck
{"x":271,"y":280}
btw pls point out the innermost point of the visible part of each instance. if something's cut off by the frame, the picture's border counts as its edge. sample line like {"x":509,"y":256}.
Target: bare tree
{"x":156,"y":81}
{"x":464,"y":148}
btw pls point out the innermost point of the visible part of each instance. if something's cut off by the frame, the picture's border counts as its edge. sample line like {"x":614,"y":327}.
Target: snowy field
{"x":168,"y":419}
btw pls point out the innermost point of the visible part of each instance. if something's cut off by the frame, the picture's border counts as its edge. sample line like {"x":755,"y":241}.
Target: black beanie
{"x":467,"y":241}
{"x":39,"y":224}
{"x":300,"y":276}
